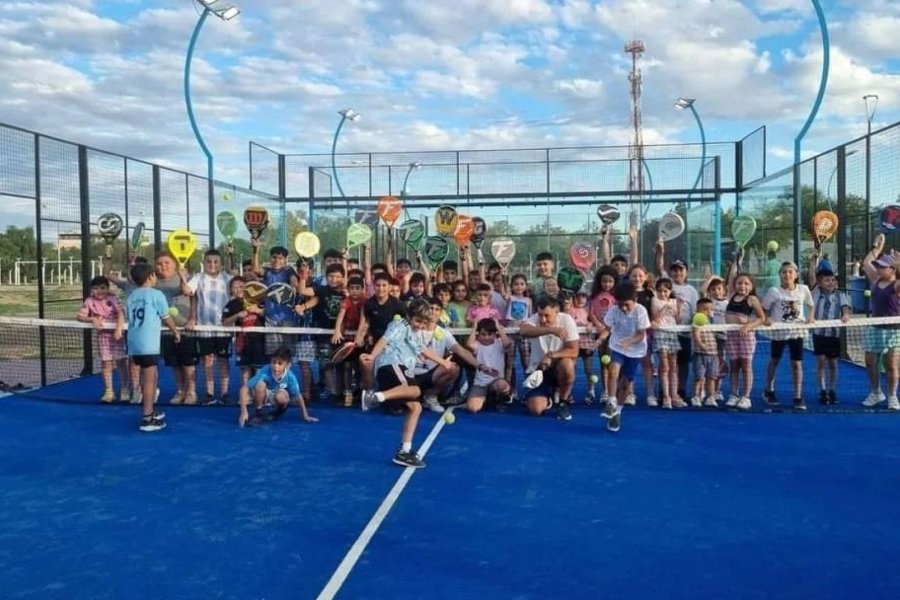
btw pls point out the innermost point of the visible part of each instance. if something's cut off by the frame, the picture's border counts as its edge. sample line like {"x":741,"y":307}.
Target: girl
{"x":577,"y":308}
{"x":459,"y":304}
{"x":743,"y":309}
{"x":790,"y":302}
{"x":666,"y":312}
{"x":643,"y":284}
{"x":101,"y":308}
{"x":600,"y":302}
{"x":884,"y":340}
{"x":518,"y":308}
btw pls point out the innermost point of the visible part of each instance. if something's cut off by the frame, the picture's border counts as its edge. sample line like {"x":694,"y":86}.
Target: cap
{"x":678,"y":264}
{"x":885,"y":261}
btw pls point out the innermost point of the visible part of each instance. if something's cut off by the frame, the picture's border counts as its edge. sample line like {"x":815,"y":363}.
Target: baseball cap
{"x":678,"y":264}
{"x":885,"y":261}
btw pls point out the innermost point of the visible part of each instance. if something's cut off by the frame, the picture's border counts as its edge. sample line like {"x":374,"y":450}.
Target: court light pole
{"x":347,"y":114}
{"x":412,"y":167}
{"x":226,"y":12}
{"x":681,"y":104}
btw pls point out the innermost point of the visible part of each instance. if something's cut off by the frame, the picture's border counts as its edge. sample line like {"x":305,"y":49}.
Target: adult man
{"x":553,"y":338}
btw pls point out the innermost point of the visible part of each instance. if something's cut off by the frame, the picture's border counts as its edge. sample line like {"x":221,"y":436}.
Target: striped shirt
{"x":212,"y":296}
{"x":828,"y":307}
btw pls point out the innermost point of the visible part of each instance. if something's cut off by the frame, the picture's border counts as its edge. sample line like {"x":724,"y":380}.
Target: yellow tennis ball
{"x":700,"y":320}
{"x":226,"y":196}
{"x":397,"y":317}
{"x":594,"y":378}
{"x":606,"y":359}
{"x":173,"y":312}
{"x":449,"y":417}
{"x":438,"y":335}
{"x":772,"y":246}
{"x":867,"y":293}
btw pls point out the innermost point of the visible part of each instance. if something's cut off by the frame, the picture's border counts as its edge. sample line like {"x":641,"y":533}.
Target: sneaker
{"x":873,"y":399}
{"x":652,"y":402}
{"x":799,"y":404}
{"x":770,"y":399}
{"x":368,"y":400}
{"x":589,"y":399}
{"x":432,"y":404}
{"x":604,"y":399}
{"x":893,"y":403}
{"x":610,"y":409}
{"x":823,"y":397}
{"x":832,"y":397}
{"x":679,"y":403}
{"x":455,"y":400}
{"x":696,"y":402}
{"x":125,"y":396}
{"x":276,"y":413}
{"x":151,"y":424}
{"x":534,"y":380}
{"x":564,"y":410}
{"x":348,"y":398}
{"x":719,"y":397}
{"x":667,"y":403}
{"x":408,"y":459}
{"x":137,"y":396}
{"x":226,"y":400}
{"x":464,"y":389}
{"x":732,"y":401}
{"x":710,"y":402}
{"x":744,"y":404}
{"x":190,"y":398}
{"x":178,"y":398}
{"x":108,"y":397}
{"x":615,"y":422}
{"x":158,"y":414}
{"x":209,"y":400}
{"x":630,"y":400}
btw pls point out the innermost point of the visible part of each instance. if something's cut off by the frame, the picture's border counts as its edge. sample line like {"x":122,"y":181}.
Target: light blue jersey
{"x":145,"y":309}
{"x":402,"y":348}
{"x":288,"y":381}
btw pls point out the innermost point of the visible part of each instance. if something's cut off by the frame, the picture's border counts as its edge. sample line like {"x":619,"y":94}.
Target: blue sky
{"x":438,"y":75}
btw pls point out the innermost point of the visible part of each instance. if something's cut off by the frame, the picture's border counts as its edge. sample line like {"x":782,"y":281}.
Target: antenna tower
{"x":636,"y":150}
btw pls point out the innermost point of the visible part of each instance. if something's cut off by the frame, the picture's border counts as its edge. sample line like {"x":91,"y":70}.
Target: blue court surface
{"x":679,"y":504}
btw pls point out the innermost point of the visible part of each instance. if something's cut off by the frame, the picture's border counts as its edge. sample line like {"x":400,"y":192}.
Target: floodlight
{"x":350,"y":114}
{"x":683,"y":103}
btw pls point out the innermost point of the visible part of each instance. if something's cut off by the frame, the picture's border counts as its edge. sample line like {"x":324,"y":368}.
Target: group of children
{"x":384,"y":332}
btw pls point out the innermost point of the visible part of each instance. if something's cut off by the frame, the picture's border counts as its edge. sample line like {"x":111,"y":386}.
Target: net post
{"x":85,"y":207}
{"x":157,"y":210}
{"x":39,"y":240}
{"x":282,"y":194}
{"x":311,"y":218}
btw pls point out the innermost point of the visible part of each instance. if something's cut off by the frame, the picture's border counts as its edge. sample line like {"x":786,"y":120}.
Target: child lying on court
{"x":274,"y":383}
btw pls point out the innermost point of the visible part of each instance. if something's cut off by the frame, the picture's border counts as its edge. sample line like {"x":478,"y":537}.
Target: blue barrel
{"x":858,"y":300}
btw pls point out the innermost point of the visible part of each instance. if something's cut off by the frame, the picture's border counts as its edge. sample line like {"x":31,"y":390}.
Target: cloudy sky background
{"x":438,"y":75}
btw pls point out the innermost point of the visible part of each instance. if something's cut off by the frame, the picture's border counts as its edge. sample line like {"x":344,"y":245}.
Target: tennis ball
{"x":700,"y":319}
{"x":594,"y":378}
{"x":438,"y":335}
{"x":397,"y":317}
{"x":772,"y":246}
{"x":449,"y":417}
{"x":226,"y":196}
{"x":173,"y":312}
{"x":606,"y":359}
{"x":867,"y":293}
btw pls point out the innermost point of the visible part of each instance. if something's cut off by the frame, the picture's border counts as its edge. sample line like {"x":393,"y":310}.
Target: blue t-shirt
{"x":145,"y":309}
{"x":287,"y":382}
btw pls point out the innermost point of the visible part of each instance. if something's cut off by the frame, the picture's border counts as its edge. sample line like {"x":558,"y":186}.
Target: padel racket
{"x":825,"y":224}
{"x":110,"y":226}
{"x":412,"y":232}
{"x":671,"y":225}
{"x":608,"y":214}
{"x":254,"y":293}
{"x":366,"y":217}
{"x":582,"y":255}
{"x":358,"y":234}
{"x":465,"y":227}
{"x":182,"y":244}
{"x":342,"y":352}
{"x":137,"y":238}
{"x":890,"y":219}
{"x":256,"y":220}
{"x":435,"y":250}
{"x":569,"y":279}
{"x":504,"y":251}
{"x":446,"y":220}
{"x":479,"y":231}
{"x":281,"y":293}
{"x":226,"y":223}
{"x":743,"y":228}
{"x":389,"y":210}
{"x":307,"y":244}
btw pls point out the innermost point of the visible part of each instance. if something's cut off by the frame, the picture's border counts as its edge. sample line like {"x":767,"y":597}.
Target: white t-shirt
{"x":788,"y":306}
{"x":550,"y":343}
{"x":493,"y":356}
{"x":624,"y":325}
{"x":439,"y":341}
{"x":689,"y":297}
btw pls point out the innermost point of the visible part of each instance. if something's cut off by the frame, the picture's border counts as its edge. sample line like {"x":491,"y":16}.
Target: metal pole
{"x":702,"y":148}
{"x":334,"y":174}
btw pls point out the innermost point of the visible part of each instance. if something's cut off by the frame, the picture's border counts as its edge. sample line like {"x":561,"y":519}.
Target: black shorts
{"x":827,"y":346}
{"x":218,"y":346}
{"x":585,"y":352}
{"x":182,"y":354}
{"x":795,"y":348}
{"x":145,"y":360}
{"x":391,"y":376}
{"x":425,"y":381}
{"x":252,"y":351}
{"x":685,"y":355}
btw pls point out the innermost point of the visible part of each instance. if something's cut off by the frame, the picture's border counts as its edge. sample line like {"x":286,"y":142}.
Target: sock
{"x":406,"y":447}
{"x":379,"y":396}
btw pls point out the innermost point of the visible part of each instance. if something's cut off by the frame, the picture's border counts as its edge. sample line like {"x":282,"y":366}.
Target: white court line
{"x":359,"y":546}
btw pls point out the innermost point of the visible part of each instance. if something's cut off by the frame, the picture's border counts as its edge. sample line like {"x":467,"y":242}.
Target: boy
{"x":829,"y":304}
{"x":273,"y":384}
{"x":489,"y":342}
{"x":395,"y":357}
{"x":378,"y":313}
{"x":706,"y":359}
{"x":147,"y":310}
{"x":626,"y":325}
{"x":544,"y":266}
{"x":181,"y":355}
{"x":99,"y":308}
{"x":249,"y":347}
{"x":348,"y":320}
{"x":209,"y":295}
{"x":325,"y":305}
{"x":277,"y":315}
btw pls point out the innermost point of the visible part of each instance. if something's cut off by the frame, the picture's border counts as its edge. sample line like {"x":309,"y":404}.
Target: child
{"x":626,"y":325}
{"x":577,"y":308}
{"x":325,"y":305}
{"x":518,"y":308}
{"x":789,"y":302}
{"x":100,"y":308}
{"x":147,"y":310}
{"x":249,"y":347}
{"x":743,"y":309}
{"x":442,"y":293}
{"x":377,"y":315}
{"x":489,"y":342}
{"x":714,"y":289}
{"x":395,"y":358}
{"x":277,"y":315}
{"x":600,"y":302}
{"x":209,"y":295}
{"x":273,"y":384}
{"x":829,"y":304}
{"x":642,"y":281}
{"x":882,"y":343}
{"x":459,"y":305}
{"x":666,"y":312}
{"x":706,"y":359}
{"x":482,"y":308}
{"x":348,"y":320}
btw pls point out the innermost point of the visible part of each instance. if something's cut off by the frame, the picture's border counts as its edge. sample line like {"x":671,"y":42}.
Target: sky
{"x":439,"y":74}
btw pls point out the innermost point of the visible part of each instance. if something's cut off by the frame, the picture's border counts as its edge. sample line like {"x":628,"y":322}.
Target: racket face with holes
{"x":608,"y":214}
{"x":227,"y":224}
{"x":256,"y":220}
{"x":254,"y":293}
{"x":358,"y":234}
{"x":743,"y":228}
{"x":281,"y":293}
{"x":389,"y":209}
{"x":412,"y":232}
{"x":182,"y":244}
{"x":479,"y":231}
{"x":137,"y":236}
{"x":465,"y":227}
{"x":307,"y":244}
{"x":671,"y":225}
{"x":569,"y":280}
{"x":825,"y":225}
{"x":110,"y":226}
{"x":435,"y":250}
{"x":446,"y":220}
{"x":504,"y":251}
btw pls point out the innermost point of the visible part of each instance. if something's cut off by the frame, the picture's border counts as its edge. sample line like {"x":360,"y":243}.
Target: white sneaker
{"x":432,"y":404}
{"x":604,"y":399}
{"x":178,"y":398}
{"x":667,"y":404}
{"x":679,"y":403}
{"x":367,"y":400}
{"x":719,"y":397}
{"x":630,"y":400}
{"x":873,"y":399}
{"x":652,"y":402}
{"x":732,"y":401}
{"x":744,"y":403}
{"x":893,"y":403}
{"x":534,"y":380}
{"x":696,"y":402}
{"x":710,"y":402}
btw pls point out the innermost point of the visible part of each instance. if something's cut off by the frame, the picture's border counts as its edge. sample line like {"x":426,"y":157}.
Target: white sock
{"x":406,"y":447}
{"x":379,"y":396}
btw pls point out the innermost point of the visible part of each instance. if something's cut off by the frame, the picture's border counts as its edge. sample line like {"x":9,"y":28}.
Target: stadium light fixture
{"x":683,"y":103}
{"x":347,"y":114}
{"x":871,"y":101}
{"x":412,"y":167}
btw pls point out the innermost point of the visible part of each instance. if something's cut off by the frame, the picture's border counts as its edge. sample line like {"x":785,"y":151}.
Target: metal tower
{"x":636,"y":150}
